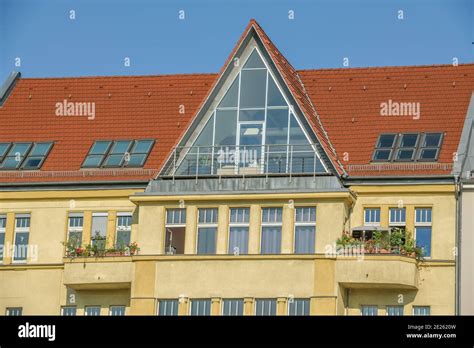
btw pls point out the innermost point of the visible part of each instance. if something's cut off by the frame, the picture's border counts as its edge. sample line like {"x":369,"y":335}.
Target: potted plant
{"x":133,"y":248}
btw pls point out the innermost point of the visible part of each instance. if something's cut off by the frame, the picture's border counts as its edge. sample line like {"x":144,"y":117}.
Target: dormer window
{"x":407,"y":147}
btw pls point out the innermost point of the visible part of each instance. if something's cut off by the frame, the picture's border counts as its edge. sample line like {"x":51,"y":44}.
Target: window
{"x":423,"y":230}
{"x":254,"y":120}
{"x":75,"y":226}
{"x":175,"y":231}
{"x":92,"y":310}
{"x":233,"y":307}
{"x":99,"y":230}
{"x":368,"y":310}
{"x":207,"y":231}
{"x":430,"y":146}
{"x":239,"y":231}
{"x":23,"y":155}
{"x":384,"y":148}
{"x":124,"y":230}
{"x":14,"y":311}
{"x":421,"y":310}
{"x":118,"y":153}
{"x":394,"y":310}
{"x":305,"y":230}
{"x":298,"y":306}
{"x":117,"y":310}
{"x":68,"y":311}
{"x":397,"y":216}
{"x":271,"y":230}
{"x":265,"y":306}
{"x":22,"y":233}
{"x":168,"y":307}
{"x":201,"y":307}
{"x":408,"y":147}
{"x":3,"y":224}
{"x":372,"y":216}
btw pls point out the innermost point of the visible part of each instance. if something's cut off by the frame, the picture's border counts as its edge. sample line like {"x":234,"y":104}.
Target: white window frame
{"x":67,"y":307}
{"x":93,"y":306}
{"x":237,"y":224}
{"x":206,"y":225}
{"x":420,"y":315}
{"x":123,"y":228}
{"x":271,"y":224}
{"x":394,"y":306}
{"x":294,"y":301}
{"x":425,"y":224}
{"x":74,"y":228}
{"x":233,"y":299}
{"x":266,"y":299}
{"x":207,"y":300}
{"x":174,"y":224}
{"x":158,"y":304}
{"x":367,"y":223}
{"x":395,"y":223}
{"x":99,"y":214}
{"x":112,"y":307}
{"x":21,"y":230}
{"x":3,"y":231}
{"x":9,"y":310}
{"x":373,"y":306}
{"x":304,"y":224}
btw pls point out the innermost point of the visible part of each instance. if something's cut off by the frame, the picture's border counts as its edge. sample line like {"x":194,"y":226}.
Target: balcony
{"x":98,"y":274}
{"x":377,"y":271}
{"x":248,"y":160}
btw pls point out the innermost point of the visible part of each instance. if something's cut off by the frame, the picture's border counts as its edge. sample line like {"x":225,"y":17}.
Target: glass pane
{"x":120,"y":147}
{"x":2,"y":241}
{"x":382,"y":155}
{"x":136,"y":160}
{"x":423,"y":240}
{"x":252,"y":91}
{"x":252,"y":115}
{"x":93,"y":161}
{"x":205,"y":137}
{"x":99,"y":230}
{"x":168,"y":307}
{"x":11,"y":162}
{"x":386,"y":140}
{"x":274,"y":98}
{"x":428,"y":154}
{"x":113,"y":160}
{"x":226,"y":128}
{"x":432,"y":140}
{"x":21,"y":245}
{"x":238,"y":240}
{"x":233,"y":307}
{"x":304,"y":239}
{"x":254,"y":61}
{"x":409,"y":140}
{"x":405,"y":154}
{"x":40,"y":149}
{"x":32,"y":162}
{"x":3,"y":149}
{"x":19,"y":149}
{"x":297,"y":137}
{"x":206,"y":240}
{"x":100,"y":147}
{"x":277,"y":129}
{"x":298,"y":307}
{"x":123,"y":239}
{"x":231,"y":97}
{"x":142,"y":146}
{"x":271,"y":240}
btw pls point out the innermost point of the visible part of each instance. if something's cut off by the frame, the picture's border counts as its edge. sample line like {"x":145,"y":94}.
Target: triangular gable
{"x":306,"y":129}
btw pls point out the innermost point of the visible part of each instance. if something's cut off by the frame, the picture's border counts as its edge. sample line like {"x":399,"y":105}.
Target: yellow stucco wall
{"x":155,"y":276}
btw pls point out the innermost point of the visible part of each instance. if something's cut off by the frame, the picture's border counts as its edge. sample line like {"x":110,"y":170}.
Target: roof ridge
{"x":116,"y":76}
{"x":390,"y":67}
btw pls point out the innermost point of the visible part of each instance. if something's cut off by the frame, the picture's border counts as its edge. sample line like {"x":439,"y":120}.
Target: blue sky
{"x":150,"y":33}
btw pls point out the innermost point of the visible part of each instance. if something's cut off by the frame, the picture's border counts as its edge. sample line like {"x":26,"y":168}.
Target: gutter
{"x":458,"y":247}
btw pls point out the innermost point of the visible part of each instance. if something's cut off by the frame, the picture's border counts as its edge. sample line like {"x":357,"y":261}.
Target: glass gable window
{"x":251,"y":131}
{"x":117,"y":154}
{"x":28,"y":156}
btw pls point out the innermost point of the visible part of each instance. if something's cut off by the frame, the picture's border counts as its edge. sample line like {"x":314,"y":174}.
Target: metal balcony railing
{"x":243,"y":160}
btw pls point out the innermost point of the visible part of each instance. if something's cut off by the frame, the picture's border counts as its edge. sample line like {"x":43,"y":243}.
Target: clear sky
{"x":322,"y":33}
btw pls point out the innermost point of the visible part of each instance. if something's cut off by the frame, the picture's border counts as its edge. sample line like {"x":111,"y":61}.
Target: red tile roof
{"x":345,"y":101}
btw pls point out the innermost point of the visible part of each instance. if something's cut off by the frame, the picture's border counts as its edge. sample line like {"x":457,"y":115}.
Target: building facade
{"x":261,"y":190}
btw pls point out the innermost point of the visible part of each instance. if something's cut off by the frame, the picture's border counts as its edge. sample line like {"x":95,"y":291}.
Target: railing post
{"x":291,"y":161}
{"x":197,"y":164}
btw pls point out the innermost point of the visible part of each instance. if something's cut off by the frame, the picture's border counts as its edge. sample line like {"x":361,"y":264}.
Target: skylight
{"x":407,"y":147}
{"x":23,"y":155}
{"x":118,"y":153}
